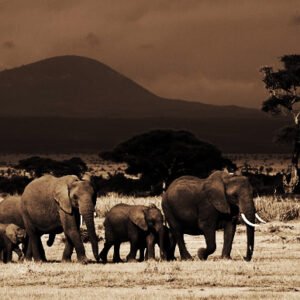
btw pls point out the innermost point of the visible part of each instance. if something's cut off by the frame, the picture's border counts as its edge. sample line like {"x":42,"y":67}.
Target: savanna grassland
{"x":274,"y":272}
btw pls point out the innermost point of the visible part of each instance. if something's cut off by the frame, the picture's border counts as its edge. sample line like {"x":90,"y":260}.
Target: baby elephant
{"x":137,"y":224}
{"x":11,"y":236}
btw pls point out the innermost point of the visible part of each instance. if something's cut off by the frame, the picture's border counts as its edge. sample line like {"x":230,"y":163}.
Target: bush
{"x":40,"y":165}
{"x":13,"y":185}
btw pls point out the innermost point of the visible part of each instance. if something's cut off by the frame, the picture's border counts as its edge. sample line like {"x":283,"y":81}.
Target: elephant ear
{"x":137,"y":216}
{"x":62,"y":193}
{"x":11,"y":233}
{"x":215,"y":193}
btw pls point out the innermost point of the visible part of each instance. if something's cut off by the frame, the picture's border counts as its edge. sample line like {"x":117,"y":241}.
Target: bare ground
{"x":274,"y":272}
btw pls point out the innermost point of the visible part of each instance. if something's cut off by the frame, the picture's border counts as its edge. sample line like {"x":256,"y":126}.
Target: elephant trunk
{"x":87,"y":213}
{"x":247,"y":211}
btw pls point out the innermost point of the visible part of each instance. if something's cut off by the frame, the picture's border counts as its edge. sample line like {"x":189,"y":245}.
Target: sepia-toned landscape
{"x":149,"y":149}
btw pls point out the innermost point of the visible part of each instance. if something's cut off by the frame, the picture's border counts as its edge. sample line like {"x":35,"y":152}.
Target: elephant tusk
{"x":248,"y":222}
{"x":260,"y":219}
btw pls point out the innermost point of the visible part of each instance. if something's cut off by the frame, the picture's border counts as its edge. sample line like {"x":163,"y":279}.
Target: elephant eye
{"x":75,"y":197}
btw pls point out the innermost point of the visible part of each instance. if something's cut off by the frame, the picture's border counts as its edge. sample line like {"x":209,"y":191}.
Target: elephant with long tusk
{"x":201,"y":206}
{"x":54,"y":205}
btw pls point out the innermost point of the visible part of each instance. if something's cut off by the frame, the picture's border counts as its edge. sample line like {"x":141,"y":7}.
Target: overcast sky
{"x":201,"y":50}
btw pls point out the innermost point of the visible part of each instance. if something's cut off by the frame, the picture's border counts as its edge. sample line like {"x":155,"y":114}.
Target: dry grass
{"x":277,"y":208}
{"x":273,"y":273}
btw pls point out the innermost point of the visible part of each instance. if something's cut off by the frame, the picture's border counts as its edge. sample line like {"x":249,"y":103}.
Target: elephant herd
{"x":51,"y":205}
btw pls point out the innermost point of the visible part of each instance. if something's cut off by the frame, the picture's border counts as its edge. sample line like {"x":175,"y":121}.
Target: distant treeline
{"x":68,"y":135}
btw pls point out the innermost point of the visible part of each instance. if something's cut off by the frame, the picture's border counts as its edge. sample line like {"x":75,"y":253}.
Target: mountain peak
{"x":77,"y":86}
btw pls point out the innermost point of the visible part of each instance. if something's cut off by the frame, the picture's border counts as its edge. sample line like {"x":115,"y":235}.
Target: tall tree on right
{"x":284,"y":88}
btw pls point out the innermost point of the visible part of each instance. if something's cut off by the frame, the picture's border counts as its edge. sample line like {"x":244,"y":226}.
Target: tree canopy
{"x":283,"y":86}
{"x":163,"y":155}
{"x":284,"y":89}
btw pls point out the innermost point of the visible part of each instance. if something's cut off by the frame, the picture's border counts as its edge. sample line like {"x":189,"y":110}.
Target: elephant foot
{"x":226,"y":257}
{"x":102,"y":258}
{"x":117,"y":260}
{"x":131,"y":260}
{"x":247,"y":258}
{"x":186,"y":257}
{"x":84,"y":260}
{"x":173,"y":258}
{"x":66,"y":260}
{"x":149,"y":259}
{"x":21,"y":258}
{"x":202,"y":254}
{"x":38,"y":260}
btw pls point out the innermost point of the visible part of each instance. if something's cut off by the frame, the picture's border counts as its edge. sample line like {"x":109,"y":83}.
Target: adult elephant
{"x":137,"y":224}
{"x":53,"y":205}
{"x":201,"y":206}
{"x":10,"y":213}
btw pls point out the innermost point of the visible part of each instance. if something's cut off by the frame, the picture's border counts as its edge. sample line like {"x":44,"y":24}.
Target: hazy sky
{"x":201,"y":50}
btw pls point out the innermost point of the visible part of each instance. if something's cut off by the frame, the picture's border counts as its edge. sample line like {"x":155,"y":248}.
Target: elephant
{"x":137,"y":224}
{"x":11,"y":236}
{"x":10,"y":212}
{"x":201,"y":206}
{"x":53,"y":205}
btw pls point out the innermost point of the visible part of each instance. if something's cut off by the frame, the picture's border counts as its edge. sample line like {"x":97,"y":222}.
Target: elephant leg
{"x":9,"y":250}
{"x":19,"y":252}
{"x":150,"y":241}
{"x":34,"y":241}
{"x":72,"y":233}
{"x":134,"y":246}
{"x":142,"y":254}
{"x":229,"y":232}
{"x":68,"y":251}
{"x":41,"y":250}
{"x":116,"y":257}
{"x":184,"y":254}
{"x":210,"y":239}
{"x":104,"y":252}
{"x":4,"y":255}
{"x":177,"y":233}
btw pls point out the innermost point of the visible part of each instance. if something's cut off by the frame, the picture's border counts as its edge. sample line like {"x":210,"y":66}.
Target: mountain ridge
{"x":76,"y":86}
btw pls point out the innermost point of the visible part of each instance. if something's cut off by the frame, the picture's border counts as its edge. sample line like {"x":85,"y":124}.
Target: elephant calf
{"x":11,"y":236}
{"x":137,"y":224}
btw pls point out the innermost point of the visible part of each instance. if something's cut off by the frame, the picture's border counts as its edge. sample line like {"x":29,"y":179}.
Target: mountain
{"x":74,"y":86}
{"x":73,"y":103}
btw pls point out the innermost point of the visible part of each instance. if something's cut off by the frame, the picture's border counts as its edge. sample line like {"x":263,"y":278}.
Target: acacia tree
{"x":284,"y":88}
{"x":162,"y":155}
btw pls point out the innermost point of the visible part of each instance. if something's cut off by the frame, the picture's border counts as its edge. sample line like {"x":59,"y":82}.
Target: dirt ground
{"x":274,"y":272}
